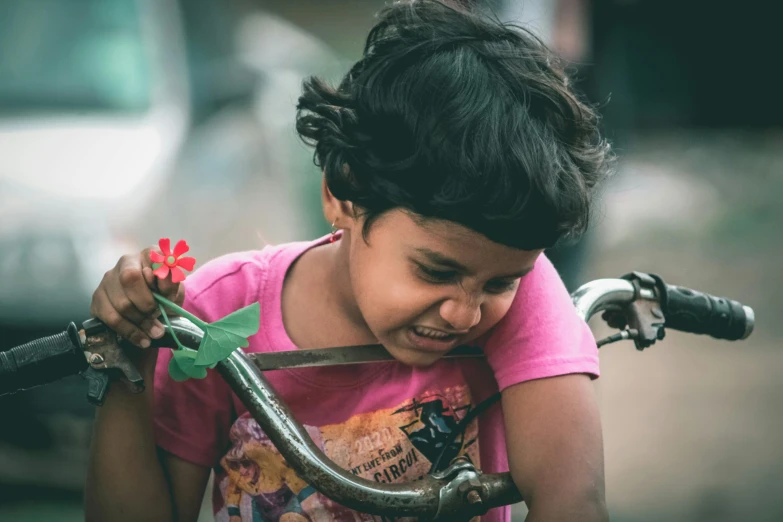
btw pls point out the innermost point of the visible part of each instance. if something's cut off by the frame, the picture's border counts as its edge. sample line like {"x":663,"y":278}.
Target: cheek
{"x":493,"y":311}
{"x":388,"y":294}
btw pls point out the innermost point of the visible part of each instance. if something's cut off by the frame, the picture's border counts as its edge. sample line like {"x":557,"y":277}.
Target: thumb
{"x":165,"y":286}
{"x":168,"y":289}
{"x":179,"y":297}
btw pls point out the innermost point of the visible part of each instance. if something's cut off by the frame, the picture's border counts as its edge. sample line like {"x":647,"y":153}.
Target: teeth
{"x":434,"y":334}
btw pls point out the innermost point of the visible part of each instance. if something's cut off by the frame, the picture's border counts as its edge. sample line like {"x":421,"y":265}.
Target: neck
{"x":335,"y":278}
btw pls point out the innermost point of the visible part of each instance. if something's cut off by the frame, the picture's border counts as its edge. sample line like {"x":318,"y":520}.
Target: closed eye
{"x":500,"y":286}
{"x":436,"y":276}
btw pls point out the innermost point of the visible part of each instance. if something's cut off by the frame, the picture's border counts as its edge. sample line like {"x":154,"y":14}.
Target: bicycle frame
{"x":458,"y":493}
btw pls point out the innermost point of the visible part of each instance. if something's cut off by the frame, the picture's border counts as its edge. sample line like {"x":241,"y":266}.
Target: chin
{"x":414,"y":358}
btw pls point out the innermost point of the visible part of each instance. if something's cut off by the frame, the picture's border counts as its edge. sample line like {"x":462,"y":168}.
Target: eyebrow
{"x":445,"y":261}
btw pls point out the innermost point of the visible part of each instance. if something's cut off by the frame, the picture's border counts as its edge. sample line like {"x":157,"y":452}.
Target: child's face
{"x":425,"y":287}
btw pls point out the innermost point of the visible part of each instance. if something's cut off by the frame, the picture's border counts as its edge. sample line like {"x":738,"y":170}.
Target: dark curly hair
{"x":453,"y":115}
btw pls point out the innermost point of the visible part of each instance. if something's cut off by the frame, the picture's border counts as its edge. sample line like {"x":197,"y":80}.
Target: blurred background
{"x":122,"y":121}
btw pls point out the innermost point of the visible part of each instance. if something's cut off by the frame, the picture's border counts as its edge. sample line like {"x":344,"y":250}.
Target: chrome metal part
{"x":339,"y":356}
{"x":750,"y":321}
{"x":601,"y":294}
{"x":460,"y":492}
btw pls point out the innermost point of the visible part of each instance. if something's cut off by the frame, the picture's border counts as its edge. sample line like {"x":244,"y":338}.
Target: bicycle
{"x":640,"y":305}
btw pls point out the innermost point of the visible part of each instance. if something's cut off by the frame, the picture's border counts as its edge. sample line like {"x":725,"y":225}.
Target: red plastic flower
{"x":172,"y":261}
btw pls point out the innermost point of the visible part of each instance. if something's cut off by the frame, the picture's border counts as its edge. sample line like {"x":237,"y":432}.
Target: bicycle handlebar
{"x":460,"y":492}
{"x":682,"y":308}
{"x":42,"y":361}
{"x":699,"y":313}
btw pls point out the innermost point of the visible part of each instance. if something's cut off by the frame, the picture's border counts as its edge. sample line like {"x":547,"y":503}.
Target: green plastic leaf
{"x":216,"y":346}
{"x":175,"y":372}
{"x":182,"y":366}
{"x":244,"y":322}
{"x":155,"y":266}
{"x":226,"y":335}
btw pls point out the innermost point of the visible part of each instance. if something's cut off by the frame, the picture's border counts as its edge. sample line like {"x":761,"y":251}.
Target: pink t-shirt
{"x":381,"y":421}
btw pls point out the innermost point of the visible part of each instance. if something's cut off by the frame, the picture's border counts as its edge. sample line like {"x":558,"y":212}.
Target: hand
{"x":124,"y":302}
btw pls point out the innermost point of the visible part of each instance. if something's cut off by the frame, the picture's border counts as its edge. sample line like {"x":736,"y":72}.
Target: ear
{"x":336,"y":211}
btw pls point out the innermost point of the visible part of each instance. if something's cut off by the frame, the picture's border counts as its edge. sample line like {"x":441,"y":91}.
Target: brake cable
{"x":462,"y":426}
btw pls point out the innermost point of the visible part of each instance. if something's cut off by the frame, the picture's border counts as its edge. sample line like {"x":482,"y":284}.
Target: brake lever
{"x":642,"y":319}
{"x":107,"y":359}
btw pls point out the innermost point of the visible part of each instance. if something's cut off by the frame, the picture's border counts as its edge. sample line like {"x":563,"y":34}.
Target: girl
{"x":452,"y":154}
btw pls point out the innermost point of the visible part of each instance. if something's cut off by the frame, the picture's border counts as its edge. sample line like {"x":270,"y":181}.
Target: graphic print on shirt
{"x":396,"y":444}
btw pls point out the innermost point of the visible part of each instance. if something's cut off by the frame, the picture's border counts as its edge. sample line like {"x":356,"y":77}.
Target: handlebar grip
{"x":695,"y":312}
{"x":42,"y":361}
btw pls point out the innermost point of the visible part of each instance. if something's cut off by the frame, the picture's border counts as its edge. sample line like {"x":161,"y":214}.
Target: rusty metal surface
{"x":496,"y":490}
{"x":451,"y":495}
{"x":103,"y":351}
{"x":463,"y":497}
{"x":339,"y":356}
{"x":418,"y":498}
{"x":421,"y":498}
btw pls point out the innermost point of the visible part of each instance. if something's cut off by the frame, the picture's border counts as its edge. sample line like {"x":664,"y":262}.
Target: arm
{"x":129,"y":479}
{"x":555,"y":448}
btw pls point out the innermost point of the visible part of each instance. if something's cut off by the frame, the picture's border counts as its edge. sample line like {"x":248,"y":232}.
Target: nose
{"x":462,"y":313}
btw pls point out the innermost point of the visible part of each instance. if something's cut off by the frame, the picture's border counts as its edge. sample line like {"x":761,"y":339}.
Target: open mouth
{"x":430,"y":339}
{"x":431,"y":333}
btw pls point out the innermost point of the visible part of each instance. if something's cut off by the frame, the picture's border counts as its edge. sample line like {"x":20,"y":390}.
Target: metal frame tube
{"x":420,"y":498}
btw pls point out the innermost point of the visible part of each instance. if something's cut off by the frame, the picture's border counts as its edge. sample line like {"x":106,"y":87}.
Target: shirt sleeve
{"x":541,"y":335}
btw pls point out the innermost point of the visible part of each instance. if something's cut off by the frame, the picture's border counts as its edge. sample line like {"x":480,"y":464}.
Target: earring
{"x":333,"y":236}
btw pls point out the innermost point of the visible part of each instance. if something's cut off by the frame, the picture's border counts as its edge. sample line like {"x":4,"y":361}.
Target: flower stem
{"x":168,"y":323}
{"x":181,"y":311}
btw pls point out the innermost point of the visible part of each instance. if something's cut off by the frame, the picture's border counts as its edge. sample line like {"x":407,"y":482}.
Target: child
{"x":452,"y":154}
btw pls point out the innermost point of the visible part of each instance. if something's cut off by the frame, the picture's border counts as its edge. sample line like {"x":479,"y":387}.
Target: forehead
{"x":417,"y":235}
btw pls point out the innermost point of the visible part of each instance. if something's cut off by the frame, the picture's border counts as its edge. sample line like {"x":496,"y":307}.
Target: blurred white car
{"x":121,"y":121}
{"x":107,"y":108}
{"x":94,"y":107}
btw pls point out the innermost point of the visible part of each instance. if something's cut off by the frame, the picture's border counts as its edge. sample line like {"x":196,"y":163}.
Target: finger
{"x":147,"y":268}
{"x":164,"y":286}
{"x":179,"y":297}
{"x":119,"y":300}
{"x":149,"y":277}
{"x":167,"y":288}
{"x":103,"y":309}
{"x":145,"y":259}
{"x":134,"y":285}
{"x":153,"y":328}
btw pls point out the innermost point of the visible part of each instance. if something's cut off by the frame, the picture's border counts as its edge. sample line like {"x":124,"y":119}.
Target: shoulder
{"x":541,"y":301}
{"x":231,"y":281}
{"x":233,"y":270}
{"x":540,"y":292}
{"x":543,"y":287}
{"x":540,"y":305}
{"x":541,"y":335}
